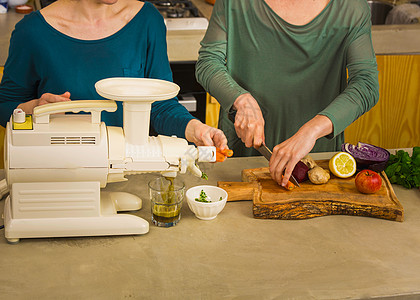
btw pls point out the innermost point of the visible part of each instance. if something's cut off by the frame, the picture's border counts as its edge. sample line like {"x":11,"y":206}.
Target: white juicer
{"x":57,"y":163}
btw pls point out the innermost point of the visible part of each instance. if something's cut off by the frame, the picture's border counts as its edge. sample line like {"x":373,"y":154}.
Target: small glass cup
{"x":166,"y":196}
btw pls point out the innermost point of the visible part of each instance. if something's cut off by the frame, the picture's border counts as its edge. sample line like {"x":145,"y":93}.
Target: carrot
{"x":225,"y":152}
{"x":289,"y":186}
{"x":220,"y":157}
{"x":222,"y":154}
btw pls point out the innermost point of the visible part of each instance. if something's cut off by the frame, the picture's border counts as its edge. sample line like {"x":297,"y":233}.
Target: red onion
{"x":367,"y":156}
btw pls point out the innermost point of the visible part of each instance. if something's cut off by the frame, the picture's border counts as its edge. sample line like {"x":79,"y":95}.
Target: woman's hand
{"x":46,"y":98}
{"x":204,"y":135}
{"x":249,"y":121}
{"x":287,"y":154}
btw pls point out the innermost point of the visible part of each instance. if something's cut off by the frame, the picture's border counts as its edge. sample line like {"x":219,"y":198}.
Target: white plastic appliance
{"x":56,"y":163}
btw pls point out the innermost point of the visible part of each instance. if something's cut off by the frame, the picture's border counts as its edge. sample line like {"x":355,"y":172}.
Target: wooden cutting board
{"x":337,"y":197}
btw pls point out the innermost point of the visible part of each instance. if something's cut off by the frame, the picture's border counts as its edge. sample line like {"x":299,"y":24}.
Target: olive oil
{"x":166,"y":202}
{"x":166,"y":215}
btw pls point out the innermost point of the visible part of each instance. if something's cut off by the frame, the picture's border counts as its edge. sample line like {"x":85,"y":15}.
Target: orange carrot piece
{"x":225,"y":152}
{"x":222,"y":154}
{"x":289,"y":186}
{"x":220,"y":157}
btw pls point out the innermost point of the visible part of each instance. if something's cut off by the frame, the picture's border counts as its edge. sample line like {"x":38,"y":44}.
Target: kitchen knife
{"x":263,"y":149}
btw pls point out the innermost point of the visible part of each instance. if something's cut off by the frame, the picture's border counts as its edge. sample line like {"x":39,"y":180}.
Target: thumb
{"x":66,"y":95}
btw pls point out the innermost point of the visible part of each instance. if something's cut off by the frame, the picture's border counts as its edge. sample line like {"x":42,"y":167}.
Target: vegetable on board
{"x":367,"y":156}
{"x":300,"y":172}
{"x":289,"y":185}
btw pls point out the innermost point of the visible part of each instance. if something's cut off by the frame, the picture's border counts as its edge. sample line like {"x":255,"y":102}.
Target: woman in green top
{"x":282,"y":65}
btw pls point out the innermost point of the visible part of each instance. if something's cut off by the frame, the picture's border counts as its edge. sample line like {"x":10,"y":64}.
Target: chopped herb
{"x":202,"y":197}
{"x":204,"y":176}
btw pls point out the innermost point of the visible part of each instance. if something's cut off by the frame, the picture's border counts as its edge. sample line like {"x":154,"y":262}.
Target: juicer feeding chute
{"x":137,"y":102}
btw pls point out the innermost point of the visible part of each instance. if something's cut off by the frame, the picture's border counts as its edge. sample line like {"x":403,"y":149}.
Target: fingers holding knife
{"x":278,"y":164}
{"x":281,"y":167}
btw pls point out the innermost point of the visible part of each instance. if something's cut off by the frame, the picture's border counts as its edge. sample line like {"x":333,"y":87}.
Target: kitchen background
{"x":393,"y":123}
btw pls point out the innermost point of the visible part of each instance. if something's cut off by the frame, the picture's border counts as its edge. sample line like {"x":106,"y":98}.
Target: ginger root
{"x":318,"y":175}
{"x":307,"y":160}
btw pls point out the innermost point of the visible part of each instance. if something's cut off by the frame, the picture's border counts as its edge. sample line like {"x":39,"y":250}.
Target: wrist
{"x":317,"y":127}
{"x":190,"y":130}
{"x":28,"y":106}
{"x":241,"y":101}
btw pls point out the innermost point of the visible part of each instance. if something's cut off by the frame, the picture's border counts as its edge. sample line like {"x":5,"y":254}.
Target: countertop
{"x":231,"y":257}
{"x":387,"y":39}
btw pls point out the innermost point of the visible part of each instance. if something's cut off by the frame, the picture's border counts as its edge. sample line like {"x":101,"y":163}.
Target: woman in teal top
{"x":282,"y":65}
{"x":61,"y":51}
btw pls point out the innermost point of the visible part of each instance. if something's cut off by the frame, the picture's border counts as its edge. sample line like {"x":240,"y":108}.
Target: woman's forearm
{"x":317,"y":127}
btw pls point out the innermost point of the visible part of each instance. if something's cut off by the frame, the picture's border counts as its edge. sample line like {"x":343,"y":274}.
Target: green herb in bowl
{"x":203,"y":197}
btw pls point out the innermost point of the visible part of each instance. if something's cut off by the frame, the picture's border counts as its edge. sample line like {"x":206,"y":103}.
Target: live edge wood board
{"x":337,"y":197}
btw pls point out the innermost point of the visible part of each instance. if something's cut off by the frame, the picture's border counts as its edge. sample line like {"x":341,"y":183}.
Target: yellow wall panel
{"x":212,"y":111}
{"x":395,"y":121}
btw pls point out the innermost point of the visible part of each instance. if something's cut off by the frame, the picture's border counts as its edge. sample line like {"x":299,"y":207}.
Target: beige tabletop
{"x":231,"y":257}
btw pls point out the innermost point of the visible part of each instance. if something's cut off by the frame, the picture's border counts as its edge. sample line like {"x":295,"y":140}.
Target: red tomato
{"x":368,"y":182}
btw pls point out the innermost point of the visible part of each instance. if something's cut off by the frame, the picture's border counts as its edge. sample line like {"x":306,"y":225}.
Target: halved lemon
{"x":342,"y":165}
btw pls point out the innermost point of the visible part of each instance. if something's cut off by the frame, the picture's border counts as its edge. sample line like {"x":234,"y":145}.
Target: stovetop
{"x":175,"y":8}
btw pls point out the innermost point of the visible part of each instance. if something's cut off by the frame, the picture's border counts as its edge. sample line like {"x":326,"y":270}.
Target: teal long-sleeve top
{"x":43,"y":60}
{"x":294,"y":72}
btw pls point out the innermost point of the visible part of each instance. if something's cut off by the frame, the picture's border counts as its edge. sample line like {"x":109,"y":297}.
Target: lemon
{"x":342,"y":165}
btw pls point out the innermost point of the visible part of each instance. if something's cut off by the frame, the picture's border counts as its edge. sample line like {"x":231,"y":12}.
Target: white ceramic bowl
{"x":202,"y":210}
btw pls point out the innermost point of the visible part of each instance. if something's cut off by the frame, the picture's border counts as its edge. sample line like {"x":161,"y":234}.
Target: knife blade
{"x":263,"y":149}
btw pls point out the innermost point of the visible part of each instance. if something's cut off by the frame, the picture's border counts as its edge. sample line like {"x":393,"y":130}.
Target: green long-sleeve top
{"x":43,"y":60}
{"x":294,"y":72}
